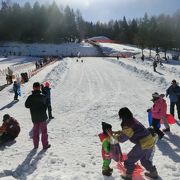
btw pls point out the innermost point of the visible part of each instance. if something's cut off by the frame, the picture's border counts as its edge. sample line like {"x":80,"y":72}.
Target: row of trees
{"x":40,"y":23}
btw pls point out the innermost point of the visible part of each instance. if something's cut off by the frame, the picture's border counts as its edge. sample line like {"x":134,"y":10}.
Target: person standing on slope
{"x":157,"y":111}
{"x":16,"y":89}
{"x":154,"y":65}
{"x":46,"y":90}
{"x":105,"y":139}
{"x":37,"y":104}
{"x":174,"y":95}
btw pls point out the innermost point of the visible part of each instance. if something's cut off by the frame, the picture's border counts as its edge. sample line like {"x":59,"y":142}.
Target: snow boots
{"x":107,"y":172}
{"x":127,"y":176}
{"x":48,"y":146}
{"x":50,"y":113}
{"x":166,"y":130}
{"x":152,"y":174}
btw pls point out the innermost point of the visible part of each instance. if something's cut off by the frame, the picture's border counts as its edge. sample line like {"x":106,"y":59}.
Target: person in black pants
{"x":46,"y":90}
{"x":174,"y":95}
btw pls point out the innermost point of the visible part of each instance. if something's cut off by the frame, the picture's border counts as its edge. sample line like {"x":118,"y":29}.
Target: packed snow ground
{"x":84,"y":95}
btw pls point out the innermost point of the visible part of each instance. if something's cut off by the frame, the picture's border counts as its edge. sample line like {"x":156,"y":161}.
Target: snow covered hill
{"x":84,"y":95}
{"x":36,"y":49}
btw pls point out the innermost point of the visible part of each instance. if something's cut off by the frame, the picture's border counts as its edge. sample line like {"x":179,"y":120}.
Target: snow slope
{"x":37,"y":49}
{"x":84,"y":95}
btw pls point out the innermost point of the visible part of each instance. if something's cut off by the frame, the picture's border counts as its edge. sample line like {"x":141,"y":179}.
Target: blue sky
{"x":105,"y":10}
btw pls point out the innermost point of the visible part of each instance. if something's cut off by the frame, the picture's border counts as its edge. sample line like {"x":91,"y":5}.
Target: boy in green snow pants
{"x":105,"y":139}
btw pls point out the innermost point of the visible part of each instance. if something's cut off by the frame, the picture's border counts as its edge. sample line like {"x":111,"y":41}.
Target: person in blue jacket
{"x":174,"y":95}
{"x":16,"y":89}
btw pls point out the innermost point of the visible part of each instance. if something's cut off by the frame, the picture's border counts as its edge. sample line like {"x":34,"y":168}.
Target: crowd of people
{"x":143,"y":138}
{"x":39,"y":103}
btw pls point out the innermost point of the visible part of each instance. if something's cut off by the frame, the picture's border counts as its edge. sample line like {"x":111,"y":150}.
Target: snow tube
{"x":170,"y":119}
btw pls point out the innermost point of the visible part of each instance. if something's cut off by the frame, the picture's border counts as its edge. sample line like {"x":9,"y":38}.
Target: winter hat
{"x":46,"y":84}
{"x":162,"y":95}
{"x":155,"y":95}
{"x":36,"y":86}
{"x":106,"y":126}
{"x":173,"y":81}
{"x":5,"y":117}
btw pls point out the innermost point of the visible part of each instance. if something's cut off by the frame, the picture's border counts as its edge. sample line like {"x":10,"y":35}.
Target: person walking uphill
{"x":37,"y":104}
{"x":46,"y":90}
{"x":144,"y":142}
{"x":174,"y":95}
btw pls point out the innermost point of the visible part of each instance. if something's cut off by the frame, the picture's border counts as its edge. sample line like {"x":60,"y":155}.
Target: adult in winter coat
{"x":157,"y":111}
{"x":144,"y":142}
{"x":37,"y":104}
{"x":46,"y":90}
{"x":174,"y":95}
{"x":16,"y":89}
{"x":9,"y":130}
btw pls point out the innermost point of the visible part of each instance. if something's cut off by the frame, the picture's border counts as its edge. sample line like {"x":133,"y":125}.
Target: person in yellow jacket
{"x":144,"y":142}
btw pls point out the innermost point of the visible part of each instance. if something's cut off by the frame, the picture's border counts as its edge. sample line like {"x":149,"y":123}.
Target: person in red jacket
{"x":9,"y":130}
{"x":105,"y":139}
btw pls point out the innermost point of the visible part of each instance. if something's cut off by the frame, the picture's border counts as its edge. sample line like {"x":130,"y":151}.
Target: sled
{"x":137,"y":174}
{"x":170,"y":119}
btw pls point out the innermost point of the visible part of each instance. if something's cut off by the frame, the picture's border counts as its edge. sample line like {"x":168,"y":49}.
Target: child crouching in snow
{"x":110,"y":149}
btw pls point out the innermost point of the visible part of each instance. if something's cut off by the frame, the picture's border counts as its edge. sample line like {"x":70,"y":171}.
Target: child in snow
{"x":105,"y":139}
{"x":9,"y":130}
{"x":158,"y":111}
{"x":110,"y":149}
{"x":144,"y":142}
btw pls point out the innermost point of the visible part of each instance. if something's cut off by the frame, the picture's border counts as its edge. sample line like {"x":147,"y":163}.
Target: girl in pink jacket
{"x":158,"y":111}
